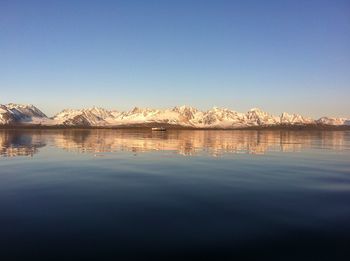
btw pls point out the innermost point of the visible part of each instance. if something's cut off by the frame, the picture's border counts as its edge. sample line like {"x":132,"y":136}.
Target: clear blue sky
{"x":277,"y":55}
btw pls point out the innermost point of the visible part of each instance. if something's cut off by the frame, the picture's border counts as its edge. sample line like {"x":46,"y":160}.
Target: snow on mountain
{"x":333,"y":121}
{"x":84,"y":117}
{"x":187,"y":113}
{"x":217,"y":117}
{"x":185,"y":116}
{"x":25,"y":110}
{"x":18,"y":113}
{"x":139,"y":115}
{"x":179,"y":115}
{"x":5,"y":115}
{"x":261,"y":118}
{"x":292,"y":119}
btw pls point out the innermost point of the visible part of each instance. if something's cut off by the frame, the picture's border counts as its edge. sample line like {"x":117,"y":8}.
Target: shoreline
{"x":172,"y":127}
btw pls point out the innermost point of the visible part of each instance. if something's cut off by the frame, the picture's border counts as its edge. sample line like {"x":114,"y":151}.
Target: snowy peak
{"x":84,"y":117}
{"x":287,"y":118}
{"x":25,"y":110}
{"x":185,"y":116}
{"x":5,"y":115}
{"x":185,"y":109}
{"x":99,"y":112}
{"x":261,"y":118}
{"x":15,"y":113}
{"x":333,"y":121}
{"x":224,"y":117}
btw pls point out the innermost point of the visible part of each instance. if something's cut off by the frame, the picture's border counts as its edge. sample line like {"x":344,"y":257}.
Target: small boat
{"x":159,"y":129}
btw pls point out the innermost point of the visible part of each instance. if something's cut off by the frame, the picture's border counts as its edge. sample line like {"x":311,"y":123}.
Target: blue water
{"x":182,"y":195}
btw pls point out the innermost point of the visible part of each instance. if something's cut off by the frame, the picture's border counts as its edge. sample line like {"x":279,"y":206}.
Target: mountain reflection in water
{"x":184,"y":142}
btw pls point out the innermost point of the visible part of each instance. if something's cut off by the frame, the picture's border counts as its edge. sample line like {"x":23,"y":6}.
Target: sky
{"x":278,"y":55}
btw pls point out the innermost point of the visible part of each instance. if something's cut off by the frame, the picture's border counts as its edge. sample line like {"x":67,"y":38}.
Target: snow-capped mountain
{"x":261,"y":118}
{"x":333,"y":121}
{"x":218,"y":117}
{"x":86,"y":117}
{"x":184,"y":116}
{"x":25,"y":110}
{"x":17,"y":113}
{"x":287,"y":118}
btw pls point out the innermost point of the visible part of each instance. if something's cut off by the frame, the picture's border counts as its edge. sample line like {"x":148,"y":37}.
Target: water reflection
{"x":184,"y":142}
{"x":18,"y":143}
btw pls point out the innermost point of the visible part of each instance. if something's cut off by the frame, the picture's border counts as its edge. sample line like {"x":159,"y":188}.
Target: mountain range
{"x":184,"y":116}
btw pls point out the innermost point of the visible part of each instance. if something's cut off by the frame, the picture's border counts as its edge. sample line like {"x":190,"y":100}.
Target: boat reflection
{"x":184,"y":142}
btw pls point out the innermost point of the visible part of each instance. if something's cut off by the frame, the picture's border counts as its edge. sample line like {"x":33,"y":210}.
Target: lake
{"x":181,"y":194}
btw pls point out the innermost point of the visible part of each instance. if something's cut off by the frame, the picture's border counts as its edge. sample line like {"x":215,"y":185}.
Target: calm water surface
{"x":108,"y":194}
